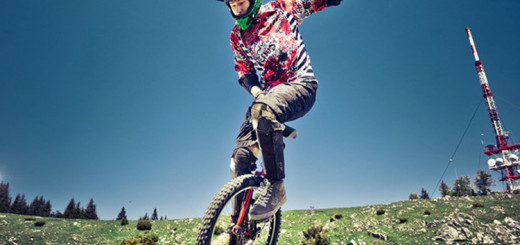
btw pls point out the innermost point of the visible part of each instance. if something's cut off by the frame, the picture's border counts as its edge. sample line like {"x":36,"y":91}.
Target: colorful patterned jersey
{"x":273,"y":45}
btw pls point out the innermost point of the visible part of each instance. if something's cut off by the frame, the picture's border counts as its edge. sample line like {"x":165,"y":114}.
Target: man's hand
{"x":333,"y":2}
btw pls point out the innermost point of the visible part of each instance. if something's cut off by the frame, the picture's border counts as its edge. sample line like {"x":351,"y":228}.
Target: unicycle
{"x":217,"y":226}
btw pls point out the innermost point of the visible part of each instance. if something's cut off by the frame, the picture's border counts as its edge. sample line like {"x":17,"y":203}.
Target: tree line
{"x":41,"y":207}
{"x":463,"y":187}
{"x":155,"y":216}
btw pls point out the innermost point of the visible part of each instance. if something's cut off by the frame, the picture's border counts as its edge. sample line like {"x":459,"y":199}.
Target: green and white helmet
{"x":244,"y":21}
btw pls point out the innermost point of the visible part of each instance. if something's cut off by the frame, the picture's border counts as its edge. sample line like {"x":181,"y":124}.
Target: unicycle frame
{"x":242,"y":230}
{"x":288,"y":132}
{"x":245,"y":205}
{"x":247,"y":231}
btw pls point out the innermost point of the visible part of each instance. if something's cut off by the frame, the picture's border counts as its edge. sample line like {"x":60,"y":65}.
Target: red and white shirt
{"x":273,"y":45}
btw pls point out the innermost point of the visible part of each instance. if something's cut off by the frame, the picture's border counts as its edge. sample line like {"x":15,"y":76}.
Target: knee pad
{"x":263,"y":111}
{"x":260,"y":110}
{"x":271,"y":145}
{"x":269,"y":135}
{"x":242,"y":162}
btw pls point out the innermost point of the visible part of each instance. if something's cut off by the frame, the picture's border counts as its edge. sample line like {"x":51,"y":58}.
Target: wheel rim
{"x":219,"y":235}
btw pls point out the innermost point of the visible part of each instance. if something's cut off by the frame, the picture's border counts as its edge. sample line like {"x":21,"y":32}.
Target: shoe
{"x":269,"y":202}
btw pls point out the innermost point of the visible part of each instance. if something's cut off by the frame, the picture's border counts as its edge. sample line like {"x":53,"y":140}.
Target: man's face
{"x":239,"y":7}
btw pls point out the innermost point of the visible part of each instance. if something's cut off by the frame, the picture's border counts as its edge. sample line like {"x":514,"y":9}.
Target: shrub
{"x":413,"y":196}
{"x":141,"y":240}
{"x":316,"y":236}
{"x":144,"y":225}
{"x":478,"y":205}
{"x":39,"y":223}
{"x":380,"y":212}
{"x":462,"y":186}
{"x":124,"y":221}
{"x":427,"y":212}
{"x":219,"y":230}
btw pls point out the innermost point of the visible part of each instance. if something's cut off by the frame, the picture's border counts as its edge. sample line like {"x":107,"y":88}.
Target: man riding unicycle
{"x":274,"y":67}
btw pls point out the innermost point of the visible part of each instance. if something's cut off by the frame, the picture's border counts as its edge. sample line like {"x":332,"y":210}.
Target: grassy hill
{"x":465,"y":220}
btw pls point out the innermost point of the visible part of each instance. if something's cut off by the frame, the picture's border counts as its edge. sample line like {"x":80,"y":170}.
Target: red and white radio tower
{"x":506,"y":163}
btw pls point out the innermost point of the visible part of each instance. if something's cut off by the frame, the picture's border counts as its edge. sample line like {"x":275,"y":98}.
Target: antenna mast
{"x":508,"y":163}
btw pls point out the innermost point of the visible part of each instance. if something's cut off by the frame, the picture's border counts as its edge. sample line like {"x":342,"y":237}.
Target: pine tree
{"x":154,"y":215}
{"x":90,"y":212}
{"x":79,"y":213}
{"x":70,"y":210}
{"x":484,"y":180}
{"x":19,"y":205}
{"x":122,"y":214}
{"x":145,"y":217}
{"x":15,"y":206}
{"x":39,"y":207}
{"x":5,"y":198}
{"x":47,"y":210}
{"x":424,"y":194}
{"x":33,"y":208}
{"x":444,"y":189}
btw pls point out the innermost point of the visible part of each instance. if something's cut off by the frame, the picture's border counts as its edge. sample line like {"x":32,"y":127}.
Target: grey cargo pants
{"x":289,"y":102}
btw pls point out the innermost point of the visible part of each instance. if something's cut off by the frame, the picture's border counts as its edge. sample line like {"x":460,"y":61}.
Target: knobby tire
{"x":225,"y":196}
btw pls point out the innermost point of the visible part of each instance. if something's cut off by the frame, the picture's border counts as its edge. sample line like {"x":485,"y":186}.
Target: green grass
{"x":15,"y":230}
{"x":354,"y":224}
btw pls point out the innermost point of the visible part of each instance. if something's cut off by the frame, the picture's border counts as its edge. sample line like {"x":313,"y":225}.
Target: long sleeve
{"x":301,"y":9}
{"x":243,"y":65}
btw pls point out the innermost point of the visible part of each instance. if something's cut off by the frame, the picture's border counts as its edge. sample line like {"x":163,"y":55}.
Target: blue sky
{"x":136,"y":103}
